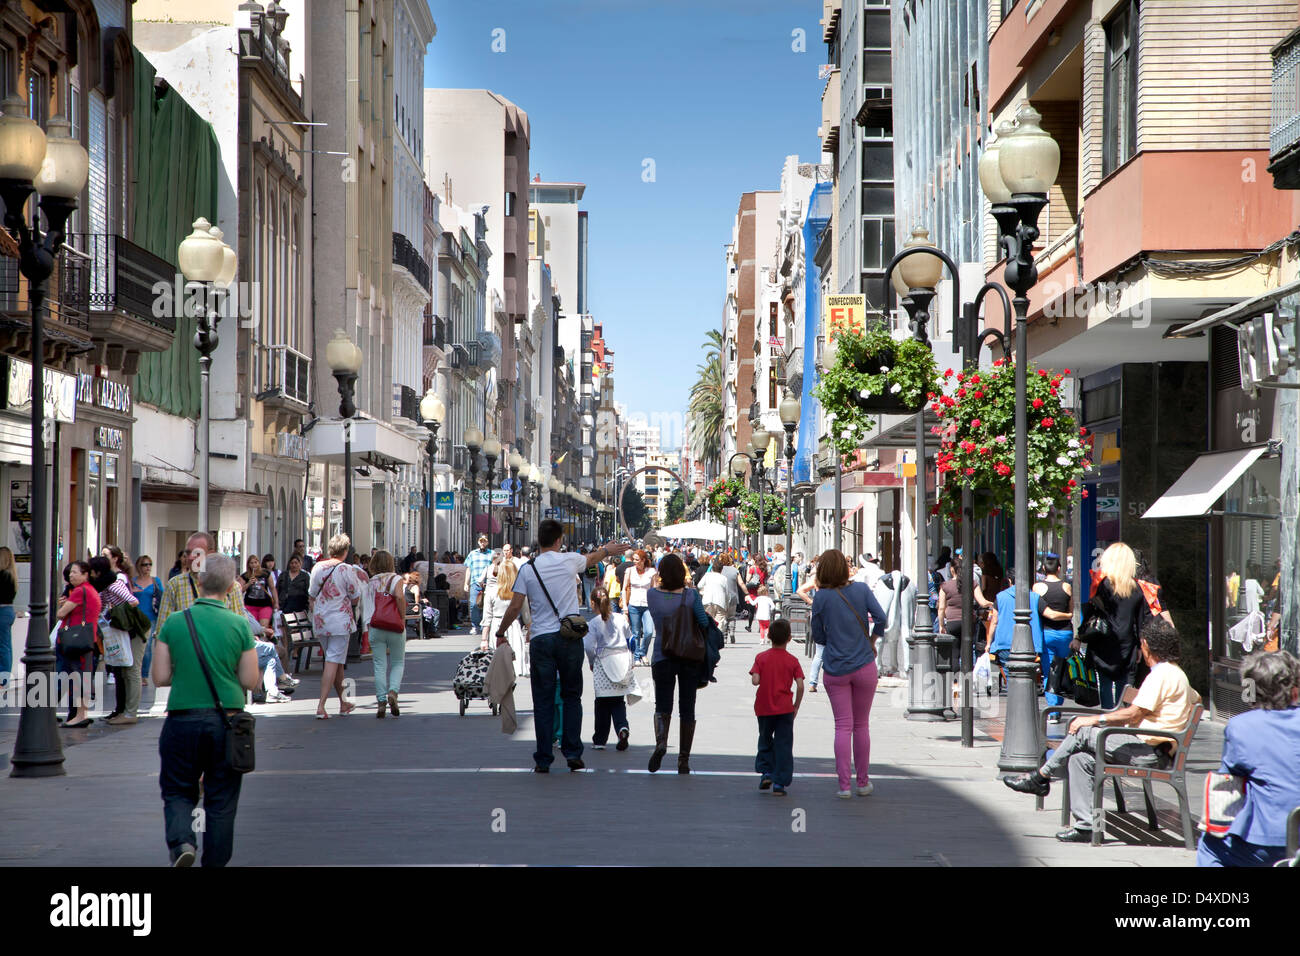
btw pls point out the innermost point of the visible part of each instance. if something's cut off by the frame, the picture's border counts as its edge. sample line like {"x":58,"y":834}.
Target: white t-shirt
{"x":764,"y":605}
{"x":637,"y":586}
{"x":558,"y":570}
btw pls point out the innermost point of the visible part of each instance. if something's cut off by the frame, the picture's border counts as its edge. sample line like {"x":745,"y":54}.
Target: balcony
{"x":126,"y":316}
{"x":1284,"y":129}
{"x":285,"y":376}
{"x":67,"y":326}
{"x":442,"y":451}
{"x":459,"y":459}
{"x":464,"y":356}
{"x":260,"y":47}
{"x":406,"y":403}
{"x":406,"y":256}
{"x":435,"y":331}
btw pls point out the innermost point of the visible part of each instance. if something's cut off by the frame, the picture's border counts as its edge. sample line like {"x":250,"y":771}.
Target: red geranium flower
{"x":1048,"y":422}
{"x":979,"y":394}
{"x":970,"y":471}
{"x":1003,"y":468}
{"x":1084,"y":492}
{"x":1042,"y":373}
{"x":975,"y":379}
{"x":947,"y":373}
{"x":1038,"y":403}
{"x":1066,"y":372}
{"x":984,"y":450}
{"x":961,"y":393}
{"x":975,"y":423}
{"x":1071,"y":483}
{"x":999,"y":362}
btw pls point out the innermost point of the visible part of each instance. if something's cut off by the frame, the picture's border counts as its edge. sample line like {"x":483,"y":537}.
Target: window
{"x":771,"y":386}
{"x":1119,"y":124}
{"x":877,"y":241}
{"x":37,"y":98}
{"x":510,"y":204}
{"x":256,"y":258}
{"x":878,"y":162}
{"x":6,"y":71}
{"x":1007,"y":7}
{"x":877,"y":200}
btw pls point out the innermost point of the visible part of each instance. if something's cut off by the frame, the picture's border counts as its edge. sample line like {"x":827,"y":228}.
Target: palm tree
{"x":705,"y":409}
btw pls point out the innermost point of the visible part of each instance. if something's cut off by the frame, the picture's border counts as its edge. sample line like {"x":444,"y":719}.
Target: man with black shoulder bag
{"x":205,"y":654}
{"x":549,"y":583}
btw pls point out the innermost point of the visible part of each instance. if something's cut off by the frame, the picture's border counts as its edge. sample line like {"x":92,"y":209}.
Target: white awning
{"x":1204,"y":483}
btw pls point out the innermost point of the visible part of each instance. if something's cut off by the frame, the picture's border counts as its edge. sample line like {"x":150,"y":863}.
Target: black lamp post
{"x":473,"y":442}
{"x":789,"y":412}
{"x":56,"y":167}
{"x":1015,"y":176}
{"x":517,"y":463}
{"x":491,"y":451}
{"x":737,"y":470}
{"x":433,"y":411}
{"x":344,"y":359}
{"x":758,"y":443}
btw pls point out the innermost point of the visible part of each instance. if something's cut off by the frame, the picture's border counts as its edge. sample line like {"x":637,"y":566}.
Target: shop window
{"x":94,"y":468}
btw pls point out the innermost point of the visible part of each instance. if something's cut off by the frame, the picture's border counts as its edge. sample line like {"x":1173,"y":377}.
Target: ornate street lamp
{"x":1028,"y":160}
{"x":491,"y":452}
{"x":535,"y":495}
{"x":55,"y":166}
{"x":344,"y":359}
{"x":737,"y":465}
{"x":434,"y":413}
{"x":473,"y":442}
{"x":516,"y":462}
{"x":789,"y":412}
{"x":201,"y":256}
{"x":758,"y":443}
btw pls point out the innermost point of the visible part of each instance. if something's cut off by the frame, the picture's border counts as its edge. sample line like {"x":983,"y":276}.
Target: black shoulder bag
{"x":239,"y":727}
{"x":574,"y":626}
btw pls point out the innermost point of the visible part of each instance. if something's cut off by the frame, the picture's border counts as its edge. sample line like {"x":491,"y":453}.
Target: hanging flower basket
{"x":873,"y":373}
{"x":774,"y":516}
{"x":724,"y":493}
{"x":977,"y":444}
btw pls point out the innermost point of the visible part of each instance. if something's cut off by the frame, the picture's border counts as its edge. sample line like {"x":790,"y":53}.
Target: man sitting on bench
{"x":1165,"y":701}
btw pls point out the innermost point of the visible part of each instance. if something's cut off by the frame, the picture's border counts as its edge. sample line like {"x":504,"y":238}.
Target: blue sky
{"x":711,"y":90}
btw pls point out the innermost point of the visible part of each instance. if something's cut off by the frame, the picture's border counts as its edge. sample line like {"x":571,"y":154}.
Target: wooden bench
{"x":1175,"y":775}
{"x":1063,"y":710}
{"x":299,"y":638}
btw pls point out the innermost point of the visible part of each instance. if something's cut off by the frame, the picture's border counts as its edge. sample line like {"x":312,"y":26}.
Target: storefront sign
{"x":499,"y":498}
{"x":106,"y":437}
{"x":844,"y":313}
{"x":1241,"y":421}
{"x":60,"y":391}
{"x":444,"y":500}
{"x":100,"y":391}
{"x":291,"y":445}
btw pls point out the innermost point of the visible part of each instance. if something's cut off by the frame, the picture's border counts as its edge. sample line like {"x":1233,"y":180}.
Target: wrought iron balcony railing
{"x":286,"y":373}
{"x":123,"y":276}
{"x":435,"y":331}
{"x":406,"y":256}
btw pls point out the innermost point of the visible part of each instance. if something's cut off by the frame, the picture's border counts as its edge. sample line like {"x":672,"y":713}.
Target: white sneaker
{"x":845,"y":794}
{"x":287,"y":681}
{"x":867,"y":790}
{"x":278,"y":698}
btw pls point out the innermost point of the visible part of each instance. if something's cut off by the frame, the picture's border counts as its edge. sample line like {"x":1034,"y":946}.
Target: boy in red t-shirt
{"x":776,"y":706}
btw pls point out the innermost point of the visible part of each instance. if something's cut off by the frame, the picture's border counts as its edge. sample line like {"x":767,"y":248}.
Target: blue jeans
{"x":815,"y":671}
{"x":475,"y":612}
{"x":555,"y":660}
{"x":148,"y":657}
{"x":193,"y":746}
{"x":775,"y":756}
{"x":636,"y":618}
{"x":1055,"y":644}
{"x":1234,"y":851}
{"x":6,"y":642}
{"x":1111,"y":690}
{"x":388,"y":654}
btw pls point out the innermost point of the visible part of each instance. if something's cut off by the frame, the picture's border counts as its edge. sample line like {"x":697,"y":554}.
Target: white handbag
{"x":117,"y":647}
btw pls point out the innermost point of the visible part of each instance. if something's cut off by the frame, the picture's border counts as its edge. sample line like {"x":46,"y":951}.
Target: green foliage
{"x":705,"y":408}
{"x":722,"y":491}
{"x":977,"y":442}
{"x":773,"y":513}
{"x":635,"y":512}
{"x":677,"y":505}
{"x":909,"y":379}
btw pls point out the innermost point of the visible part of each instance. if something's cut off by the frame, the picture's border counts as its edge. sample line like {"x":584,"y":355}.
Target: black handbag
{"x":240,"y":754}
{"x":573,"y":627}
{"x":682,"y":637}
{"x":77,"y":640}
{"x":1095,"y":626}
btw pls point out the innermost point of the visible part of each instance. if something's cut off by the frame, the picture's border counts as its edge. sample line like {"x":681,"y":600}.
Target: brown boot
{"x":687,"y":737}
{"x":662,"y":723}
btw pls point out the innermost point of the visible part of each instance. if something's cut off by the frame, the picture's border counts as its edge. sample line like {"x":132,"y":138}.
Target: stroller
{"x":471,"y":676}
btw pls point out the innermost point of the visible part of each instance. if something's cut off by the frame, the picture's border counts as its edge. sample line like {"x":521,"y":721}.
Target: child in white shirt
{"x":763,"y":613}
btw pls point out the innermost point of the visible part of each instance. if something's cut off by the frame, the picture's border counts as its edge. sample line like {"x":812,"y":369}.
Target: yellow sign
{"x":844,"y":312}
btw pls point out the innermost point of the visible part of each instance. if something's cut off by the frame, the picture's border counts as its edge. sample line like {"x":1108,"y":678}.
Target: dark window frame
{"x":1125,"y":19}
{"x":1007,"y":7}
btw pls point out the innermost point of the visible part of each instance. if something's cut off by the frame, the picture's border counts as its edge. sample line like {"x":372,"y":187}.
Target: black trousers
{"x":687,"y":675}
{"x":193,"y":746}
{"x":609,"y":710}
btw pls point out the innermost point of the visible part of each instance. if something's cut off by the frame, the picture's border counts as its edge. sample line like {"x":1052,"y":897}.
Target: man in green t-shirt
{"x":193,"y":740}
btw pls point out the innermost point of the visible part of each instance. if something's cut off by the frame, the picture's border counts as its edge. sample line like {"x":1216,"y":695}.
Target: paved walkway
{"x":436,"y":788}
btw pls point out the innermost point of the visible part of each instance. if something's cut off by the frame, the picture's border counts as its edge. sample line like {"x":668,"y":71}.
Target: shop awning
{"x":1239,"y":312}
{"x":1204,"y":483}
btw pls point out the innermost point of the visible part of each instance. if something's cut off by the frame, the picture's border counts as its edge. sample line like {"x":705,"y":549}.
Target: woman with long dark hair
{"x":1055,"y":612}
{"x":8,"y":591}
{"x":992,"y":582}
{"x":115,"y":589}
{"x":664,"y":603}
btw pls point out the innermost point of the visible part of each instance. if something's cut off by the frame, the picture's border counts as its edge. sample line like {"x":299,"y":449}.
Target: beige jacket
{"x":500,"y":685}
